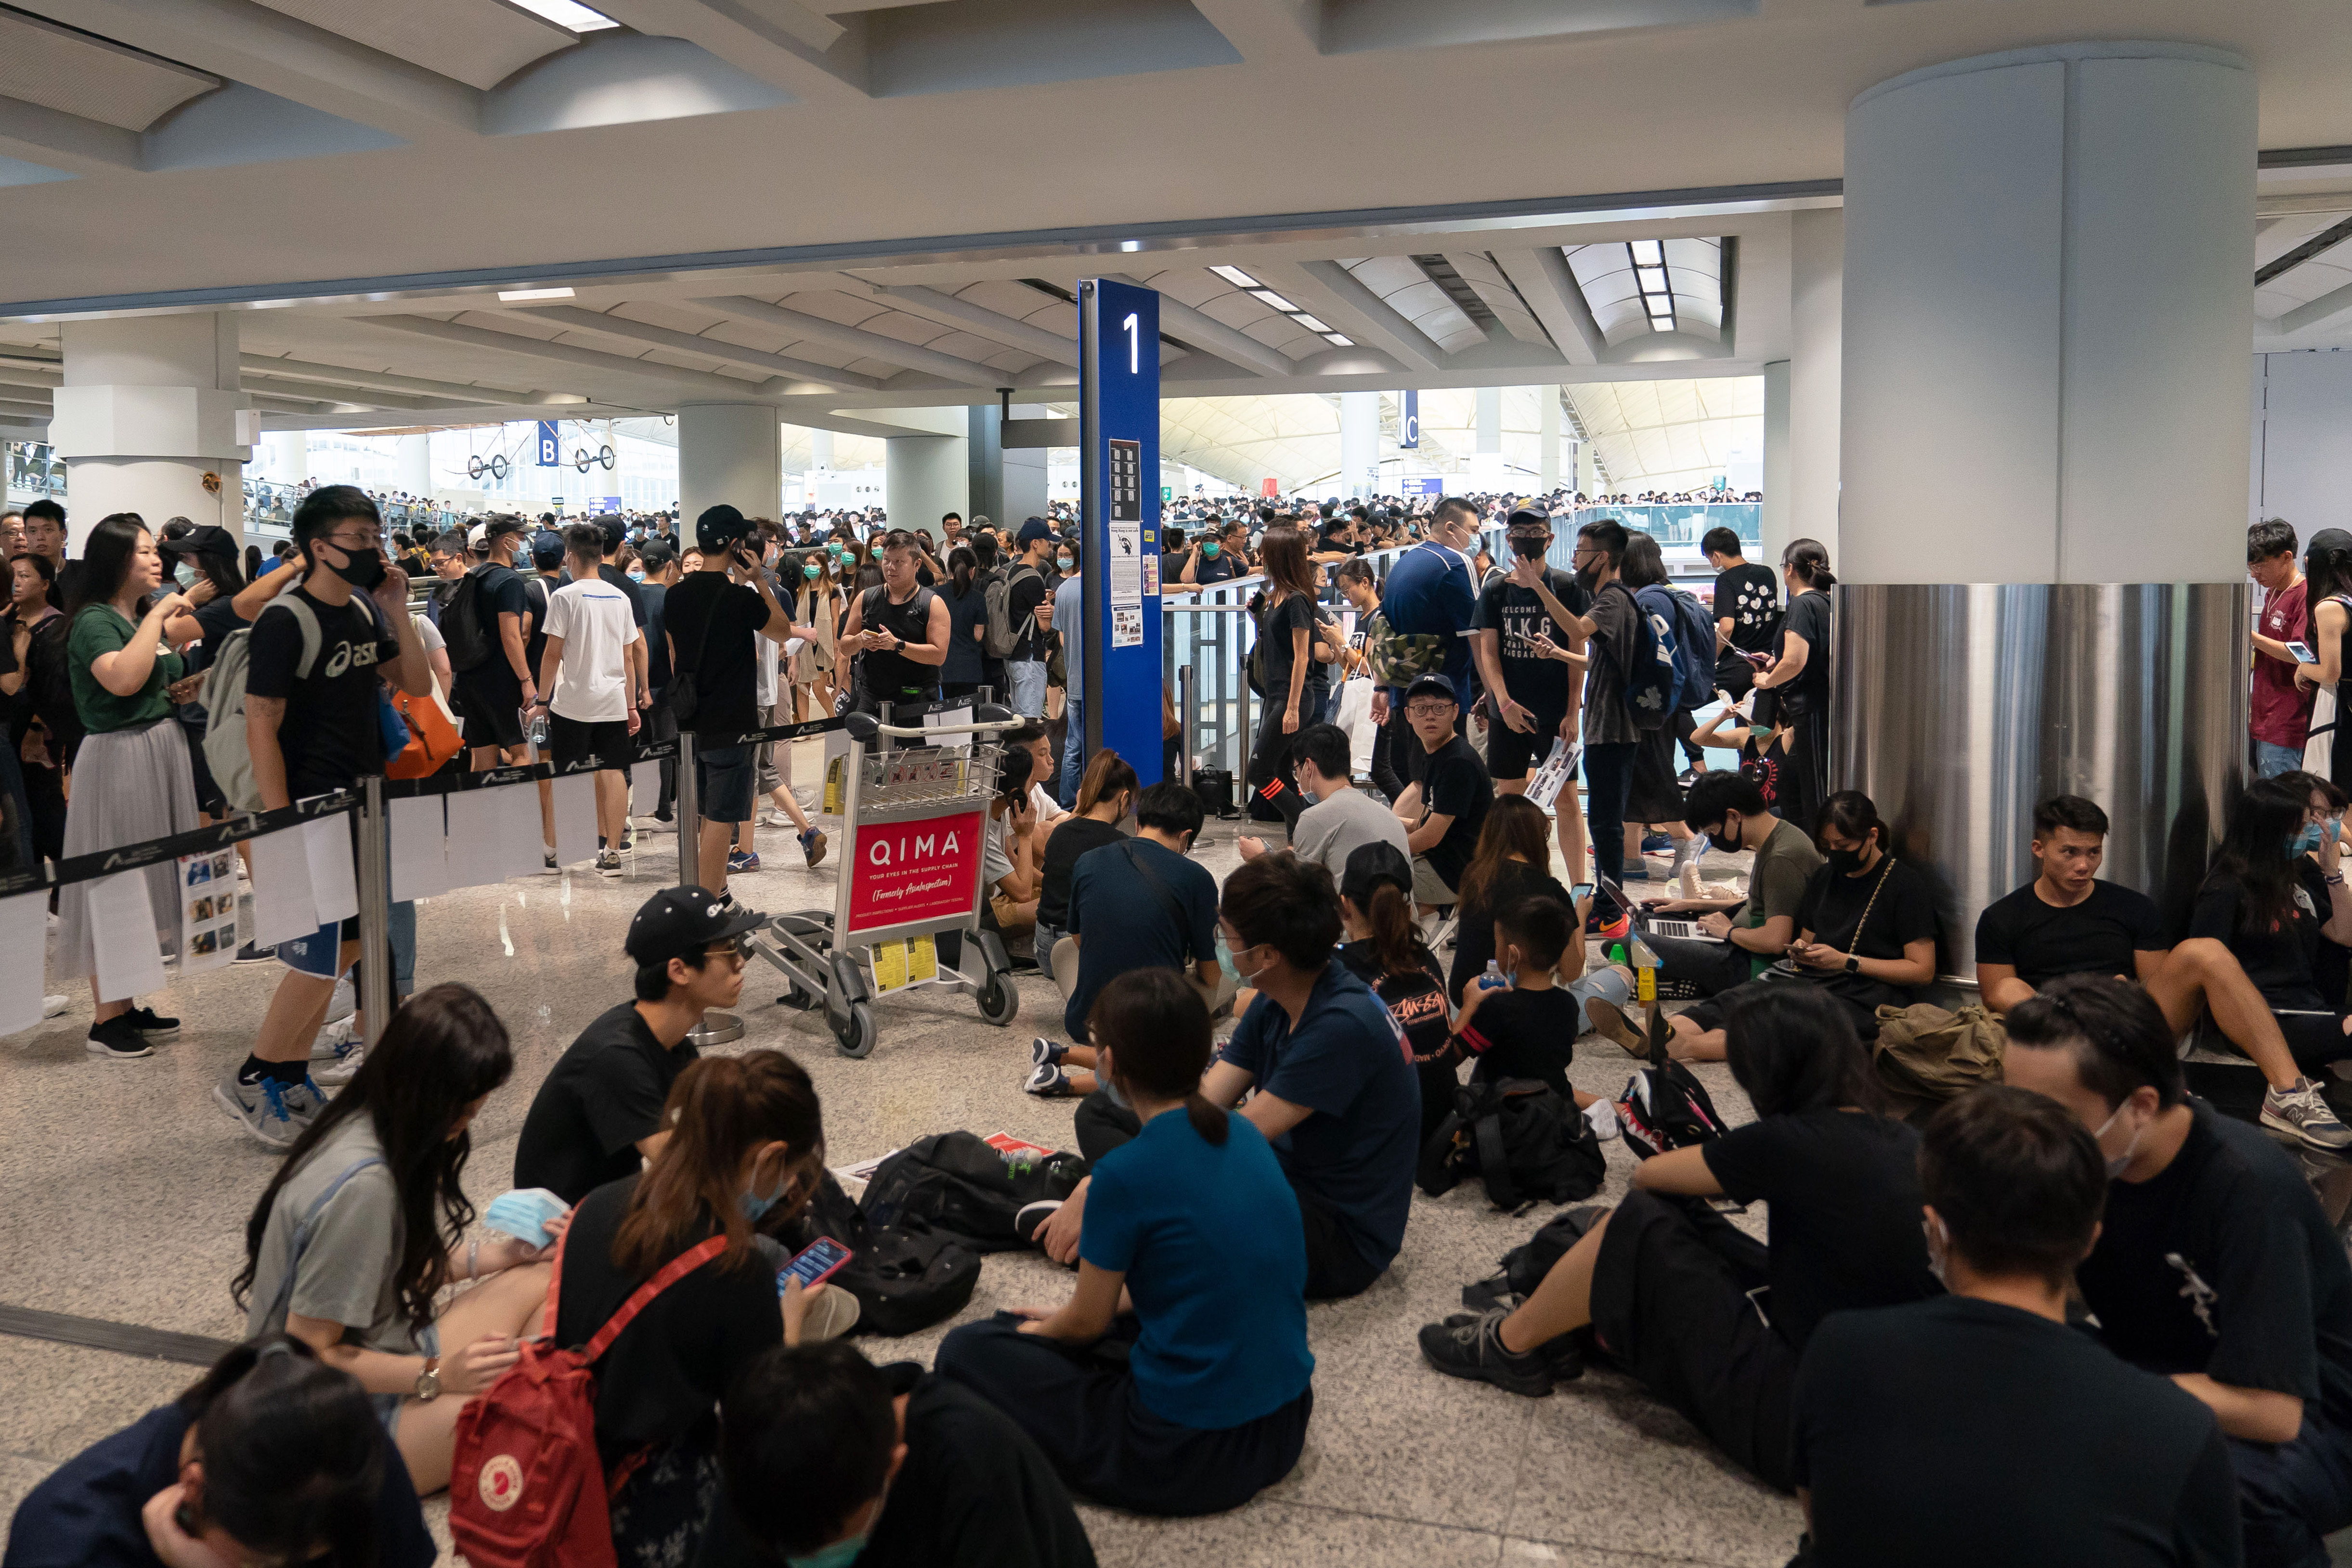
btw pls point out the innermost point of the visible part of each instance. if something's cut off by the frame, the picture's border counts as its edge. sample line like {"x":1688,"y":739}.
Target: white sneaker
{"x":772,"y":817}
{"x":335,"y":1074}
{"x":52,"y":1005}
{"x":333,"y":1038}
{"x":343,"y":1003}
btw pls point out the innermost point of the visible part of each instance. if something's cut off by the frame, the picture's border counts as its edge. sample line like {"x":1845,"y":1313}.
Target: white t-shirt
{"x":597,"y":624}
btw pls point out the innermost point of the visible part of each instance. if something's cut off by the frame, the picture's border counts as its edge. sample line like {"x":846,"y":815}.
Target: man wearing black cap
{"x":709,"y":620}
{"x":1446,"y":806}
{"x":494,"y":688}
{"x":600,"y":1109}
{"x":1532,"y":700}
{"x":1026,"y":590}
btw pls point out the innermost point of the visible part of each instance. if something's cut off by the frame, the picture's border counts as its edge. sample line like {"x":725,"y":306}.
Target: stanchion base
{"x":715,"y":1029}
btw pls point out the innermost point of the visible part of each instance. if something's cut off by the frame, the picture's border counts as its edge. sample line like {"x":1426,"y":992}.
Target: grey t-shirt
{"x":1331,"y":831}
{"x":1776,"y":883}
{"x":346,"y":1272}
{"x":1606,"y":719}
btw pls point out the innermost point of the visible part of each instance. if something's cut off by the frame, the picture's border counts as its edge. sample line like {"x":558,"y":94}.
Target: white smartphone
{"x":2302,"y":655}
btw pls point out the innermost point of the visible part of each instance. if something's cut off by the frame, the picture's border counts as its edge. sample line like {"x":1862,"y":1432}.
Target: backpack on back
{"x":1693,"y":643}
{"x":224,"y":695}
{"x":961,"y":1184}
{"x":462,"y":623}
{"x":1647,"y":666}
{"x":906,"y":1277}
{"x":1001,"y":635}
{"x":526,"y":1487}
{"x":1518,"y":1136}
{"x":48,"y":680}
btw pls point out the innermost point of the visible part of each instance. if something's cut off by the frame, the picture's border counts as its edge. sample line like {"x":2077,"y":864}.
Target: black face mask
{"x":362,"y":568}
{"x":1727,"y":841}
{"x":1529,"y":548}
{"x":1844,"y":862}
{"x":1588,"y":576}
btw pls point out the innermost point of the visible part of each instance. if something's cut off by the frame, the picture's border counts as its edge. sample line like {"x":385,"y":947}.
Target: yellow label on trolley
{"x":836,"y":783}
{"x":908,"y":961}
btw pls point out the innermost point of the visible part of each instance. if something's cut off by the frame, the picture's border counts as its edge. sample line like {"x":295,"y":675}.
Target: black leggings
{"x":1389,"y":741}
{"x":1269,"y":767}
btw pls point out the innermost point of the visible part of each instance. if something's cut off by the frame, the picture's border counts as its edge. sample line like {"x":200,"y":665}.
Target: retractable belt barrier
{"x":197,"y":841}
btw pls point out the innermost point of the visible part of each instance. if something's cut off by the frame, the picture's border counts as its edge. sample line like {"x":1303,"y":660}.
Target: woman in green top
{"x":132,"y":780}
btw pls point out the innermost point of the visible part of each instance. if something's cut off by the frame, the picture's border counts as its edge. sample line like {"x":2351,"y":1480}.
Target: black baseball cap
{"x":206,"y":540}
{"x":1431,"y":685}
{"x":1529,"y":515}
{"x":1371,"y":865}
{"x":1035,"y":529}
{"x":720,"y":527}
{"x":677,"y":921}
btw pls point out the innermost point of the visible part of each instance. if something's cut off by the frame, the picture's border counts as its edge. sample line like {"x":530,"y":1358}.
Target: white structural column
{"x":925,"y":477}
{"x":1547,"y":439}
{"x":1359,"y":443}
{"x":1815,"y":371}
{"x":1774,"y":522}
{"x":2047,"y":259}
{"x":415,"y":458}
{"x":286,"y":457}
{"x":729,"y":452}
{"x":1486,"y":441}
{"x":149,"y":420}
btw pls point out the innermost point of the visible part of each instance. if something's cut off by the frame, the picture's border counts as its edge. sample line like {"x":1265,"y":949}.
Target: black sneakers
{"x":151,"y":1027}
{"x":1471,"y":1347}
{"x":116,"y":1040}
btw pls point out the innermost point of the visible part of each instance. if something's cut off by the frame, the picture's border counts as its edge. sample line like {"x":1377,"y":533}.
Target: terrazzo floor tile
{"x":1270,"y":1534}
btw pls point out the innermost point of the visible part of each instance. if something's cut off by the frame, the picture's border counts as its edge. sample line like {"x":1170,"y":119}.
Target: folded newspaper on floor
{"x":1556,"y":771}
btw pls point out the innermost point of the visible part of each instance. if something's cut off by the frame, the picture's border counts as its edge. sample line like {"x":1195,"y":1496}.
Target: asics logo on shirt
{"x":345,"y":655}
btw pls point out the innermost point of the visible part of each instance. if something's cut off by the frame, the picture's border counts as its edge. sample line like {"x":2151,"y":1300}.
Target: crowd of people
{"x":2108,"y":1306}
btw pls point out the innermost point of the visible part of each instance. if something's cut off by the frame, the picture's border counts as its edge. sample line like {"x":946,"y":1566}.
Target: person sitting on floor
{"x":1527,"y":1029}
{"x":831,"y":1459}
{"x":1669,"y":1290}
{"x":269,"y":1457}
{"x":1385,"y":951}
{"x":1445,"y":804}
{"x":1513,"y":860}
{"x":2215,"y":1267}
{"x":1336,"y":1095}
{"x":1194,"y":1223}
{"x":1909,"y":1418}
{"x":1343,"y":818}
{"x":1107,"y":797}
{"x":2067,"y":922}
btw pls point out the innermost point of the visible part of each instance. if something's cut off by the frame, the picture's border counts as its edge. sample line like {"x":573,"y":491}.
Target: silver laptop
{"x":1652,"y":924}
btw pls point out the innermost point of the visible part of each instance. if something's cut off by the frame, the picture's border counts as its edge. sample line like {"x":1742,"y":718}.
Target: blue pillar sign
{"x":1119,"y":443}
{"x":551,"y":446}
{"x":1409,"y":423}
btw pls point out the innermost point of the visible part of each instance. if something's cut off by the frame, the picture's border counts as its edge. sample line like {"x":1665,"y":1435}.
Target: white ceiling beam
{"x":268,"y":49}
{"x":1549,"y":288}
{"x":935,"y":305}
{"x":1214,"y":337}
{"x":23,"y":375}
{"x":38,"y":134}
{"x":565,"y":353}
{"x":337,"y":375}
{"x":2328,"y":309}
{"x":312,"y":392}
{"x":1270,"y":34}
{"x":872,"y":345}
{"x":782,"y":42}
{"x":691,"y":343}
{"x":1331,"y":293}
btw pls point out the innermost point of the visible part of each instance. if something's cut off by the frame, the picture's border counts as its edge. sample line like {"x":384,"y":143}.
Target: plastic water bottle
{"x":1494,"y":980}
{"x":534,"y":726}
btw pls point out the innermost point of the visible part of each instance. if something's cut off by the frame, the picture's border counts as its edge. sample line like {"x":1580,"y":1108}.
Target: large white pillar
{"x":923,"y":477}
{"x":1773,"y":521}
{"x":1359,"y":443}
{"x":2047,"y":260}
{"x":288,"y":458}
{"x":1486,"y":441}
{"x":729,"y":452}
{"x":415,"y":460}
{"x":1816,"y":294}
{"x":150,"y":419}
{"x":1547,"y":439}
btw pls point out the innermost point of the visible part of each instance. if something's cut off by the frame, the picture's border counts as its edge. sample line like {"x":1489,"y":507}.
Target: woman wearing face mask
{"x":133,"y":780}
{"x":746,"y":1150}
{"x":362,"y":1228}
{"x":2277,"y":897}
{"x":1799,"y":677}
{"x":967,"y":595}
{"x":816,"y":604}
{"x":269,"y":1457}
{"x":1705,"y":1318}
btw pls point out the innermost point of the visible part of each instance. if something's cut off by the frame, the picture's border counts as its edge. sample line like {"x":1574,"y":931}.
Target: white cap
{"x":479,"y":537}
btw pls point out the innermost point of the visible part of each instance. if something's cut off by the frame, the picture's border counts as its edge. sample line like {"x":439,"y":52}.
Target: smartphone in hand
{"x":817,"y":1263}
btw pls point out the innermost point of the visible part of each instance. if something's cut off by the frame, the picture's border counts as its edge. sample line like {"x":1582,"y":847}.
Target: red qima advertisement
{"x":904,"y":872}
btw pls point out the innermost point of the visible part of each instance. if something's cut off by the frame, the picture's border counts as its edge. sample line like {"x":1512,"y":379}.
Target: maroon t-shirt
{"x":2276,"y":712}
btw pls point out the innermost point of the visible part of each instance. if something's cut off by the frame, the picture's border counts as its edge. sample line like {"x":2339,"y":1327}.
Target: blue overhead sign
{"x":551,"y":446}
{"x":1423,"y":485}
{"x":1119,"y":443}
{"x":1409,"y":423}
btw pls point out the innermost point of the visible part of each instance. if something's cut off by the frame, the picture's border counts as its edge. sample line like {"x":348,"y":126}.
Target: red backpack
{"x":527,"y":1488}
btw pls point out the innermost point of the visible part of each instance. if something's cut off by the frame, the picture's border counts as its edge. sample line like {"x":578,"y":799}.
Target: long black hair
{"x":961,"y":564}
{"x":106,"y":558}
{"x":293,"y":1454}
{"x":2254,"y":852}
{"x":441,"y":1052}
{"x":1809,"y":560}
{"x":1160,"y":1036}
{"x":2328,"y":565}
{"x":1793,"y":1048}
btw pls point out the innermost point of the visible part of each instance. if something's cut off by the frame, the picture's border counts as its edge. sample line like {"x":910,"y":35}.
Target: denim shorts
{"x":725,"y":776}
{"x":320,"y":955}
{"x":1027,"y":679}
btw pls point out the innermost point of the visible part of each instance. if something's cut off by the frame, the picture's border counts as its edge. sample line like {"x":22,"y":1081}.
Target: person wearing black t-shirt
{"x":616,"y":534}
{"x":1385,"y":951}
{"x":1977,"y":1428}
{"x":1533,"y":699}
{"x":1446,"y":805}
{"x":1675,"y":1295}
{"x":599,"y":1110}
{"x":2067,"y":921}
{"x":1799,"y":678}
{"x":829,"y":1458}
{"x":1866,"y":933}
{"x":1287,"y":630}
{"x":1747,"y":610}
{"x":2286,"y":915}
{"x":1105,"y":795}
{"x":1527,"y":1029}
{"x":2214,"y":1266}
{"x":492,"y":695}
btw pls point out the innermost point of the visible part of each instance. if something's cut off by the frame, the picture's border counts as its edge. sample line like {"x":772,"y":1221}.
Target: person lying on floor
{"x":1193,"y":1261}
{"x":1669,"y":1290}
{"x":2068,"y":922}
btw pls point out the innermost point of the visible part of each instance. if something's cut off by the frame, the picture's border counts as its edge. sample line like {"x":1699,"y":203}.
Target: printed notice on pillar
{"x":1125,"y":482}
{"x":1126,"y":627}
{"x":1152,"y":576}
{"x":207,"y":910}
{"x":910,"y":874}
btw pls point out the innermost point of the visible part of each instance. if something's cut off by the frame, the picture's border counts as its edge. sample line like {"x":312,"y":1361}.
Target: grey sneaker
{"x":2303,"y":1111}
{"x":337,"y":1072}
{"x":262,"y":1109}
{"x":608,"y":862}
{"x":1474,"y":1349}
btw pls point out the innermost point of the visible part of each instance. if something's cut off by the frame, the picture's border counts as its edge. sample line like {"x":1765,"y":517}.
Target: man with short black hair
{"x":599,"y":1110}
{"x":2215,"y":1266}
{"x":1446,"y":805}
{"x":1747,"y":610}
{"x":590,"y":671}
{"x":1343,"y":818}
{"x":1610,"y":736}
{"x":901,"y":627}
{"x":1428,"y":592}
{"x":1977,"y":1428}
{"x":44,"y":536}
{"x":492,"y":693}
{"x":1028,"y":603}
{"x":1532,"y":699}
{"x":2278,"y":712}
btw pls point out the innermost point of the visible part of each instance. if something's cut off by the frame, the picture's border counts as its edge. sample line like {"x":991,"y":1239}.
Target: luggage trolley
{"x":911,"y":820}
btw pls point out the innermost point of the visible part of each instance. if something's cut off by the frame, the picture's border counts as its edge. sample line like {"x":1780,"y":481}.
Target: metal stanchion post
{"x":686,"y":801}
{"x":375,"y":909}
{"x":1186,"y":725}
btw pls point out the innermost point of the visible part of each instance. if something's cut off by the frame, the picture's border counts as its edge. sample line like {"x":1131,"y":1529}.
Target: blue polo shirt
{"x":1349,"y":1064}
{"x":1209,"y":1240}
{"x":1428,"y":592}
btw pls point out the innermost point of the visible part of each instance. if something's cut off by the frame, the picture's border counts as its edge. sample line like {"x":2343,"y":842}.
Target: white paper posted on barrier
{"x":282,"y":906}
{"x":123,"y":931}
{"x":644,"y":786}
{"x":472,"y":848}
{"x":334,"y":890}
{"x":24,"y":921}
{"x":207,"y":910}
{"x":519,"y":831}
{"x":575,"y":819}
{"x":420,"y":864}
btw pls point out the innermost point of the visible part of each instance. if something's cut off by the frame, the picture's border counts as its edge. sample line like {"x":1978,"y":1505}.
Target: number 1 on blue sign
{"x":1134,"y":346}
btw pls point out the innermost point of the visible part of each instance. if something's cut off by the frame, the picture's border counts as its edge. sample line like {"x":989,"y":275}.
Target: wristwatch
{"x":428,"y":1382}
{"x":897,"y":644}
{"x":1853,"y":965}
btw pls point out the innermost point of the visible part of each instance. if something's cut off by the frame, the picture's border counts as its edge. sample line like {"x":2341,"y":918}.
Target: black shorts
{"x":491,"y":706}
{"x":1511,"y":754}
{"x":576,"y":740}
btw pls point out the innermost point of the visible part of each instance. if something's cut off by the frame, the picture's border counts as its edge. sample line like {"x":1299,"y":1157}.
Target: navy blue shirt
{"x":87,"y":1514}
{"x":1209,"y":1240}
{"x":1428,"y":592}
{"x":1127,"y":922}
{"x":1349,"y":1063}
{"x":654,"y":596}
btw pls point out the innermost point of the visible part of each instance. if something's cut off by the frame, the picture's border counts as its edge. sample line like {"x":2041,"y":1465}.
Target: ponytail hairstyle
{"x":1855,"y":815}
{"x":1809,"y":561}
{"x":963,"y":563}
{"x":1157,"y":1028}
{"x":1396,"y":940}
{"x":720,"y":1110}
{"x":1107,"y":777}
{"x":1016,"y":764}
{"x":1515,"y":826}
{"x":293,"y":1454}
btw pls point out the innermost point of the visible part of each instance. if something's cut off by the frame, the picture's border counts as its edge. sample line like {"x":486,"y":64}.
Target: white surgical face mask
{"x":1939,"y":1246}
{"x":2117,"y":1162}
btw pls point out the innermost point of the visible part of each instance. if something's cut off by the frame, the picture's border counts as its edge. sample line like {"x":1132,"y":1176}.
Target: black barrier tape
{"x":520,"y":773}
{"x":714,"y":739}
{"x":197,"y":841}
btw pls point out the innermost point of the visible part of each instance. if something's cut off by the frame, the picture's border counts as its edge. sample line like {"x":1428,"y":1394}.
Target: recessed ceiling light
{"x":569,"y":14}
{"x":1130,"y":245}
{"x":1653,"y":279}
{"x":1235,"y":275}
{"x":534,"y":294}
{"x":1648,"y":253}
{"x":1311,"y":324}
{"x":1661,"y":323}
{"x":1276,"y":300}
{"x":1344,"y":342}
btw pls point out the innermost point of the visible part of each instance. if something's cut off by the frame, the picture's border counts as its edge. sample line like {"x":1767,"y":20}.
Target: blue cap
{"x":1035,"y":529}
{"x":1431,"y":685}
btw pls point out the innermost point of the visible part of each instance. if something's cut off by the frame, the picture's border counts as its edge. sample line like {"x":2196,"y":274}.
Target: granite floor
{"x":125,"y":1192}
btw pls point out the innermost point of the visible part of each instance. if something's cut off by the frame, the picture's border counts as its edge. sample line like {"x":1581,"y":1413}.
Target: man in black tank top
{"x":900,"y":629}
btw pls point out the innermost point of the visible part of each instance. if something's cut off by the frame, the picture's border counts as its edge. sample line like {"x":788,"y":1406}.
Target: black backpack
{"x":1518,"y":1136}
{"x":461,"y":623}
{"x":903,"y":1279}
{"x":1665,"y":1107}
{"x":961,"y":1185}
{"x":1523,"y":1268}
{"x":48,"y":681}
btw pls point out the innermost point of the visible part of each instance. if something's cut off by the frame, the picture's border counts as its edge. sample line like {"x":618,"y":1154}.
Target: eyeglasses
{"x":1429,"y":710}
